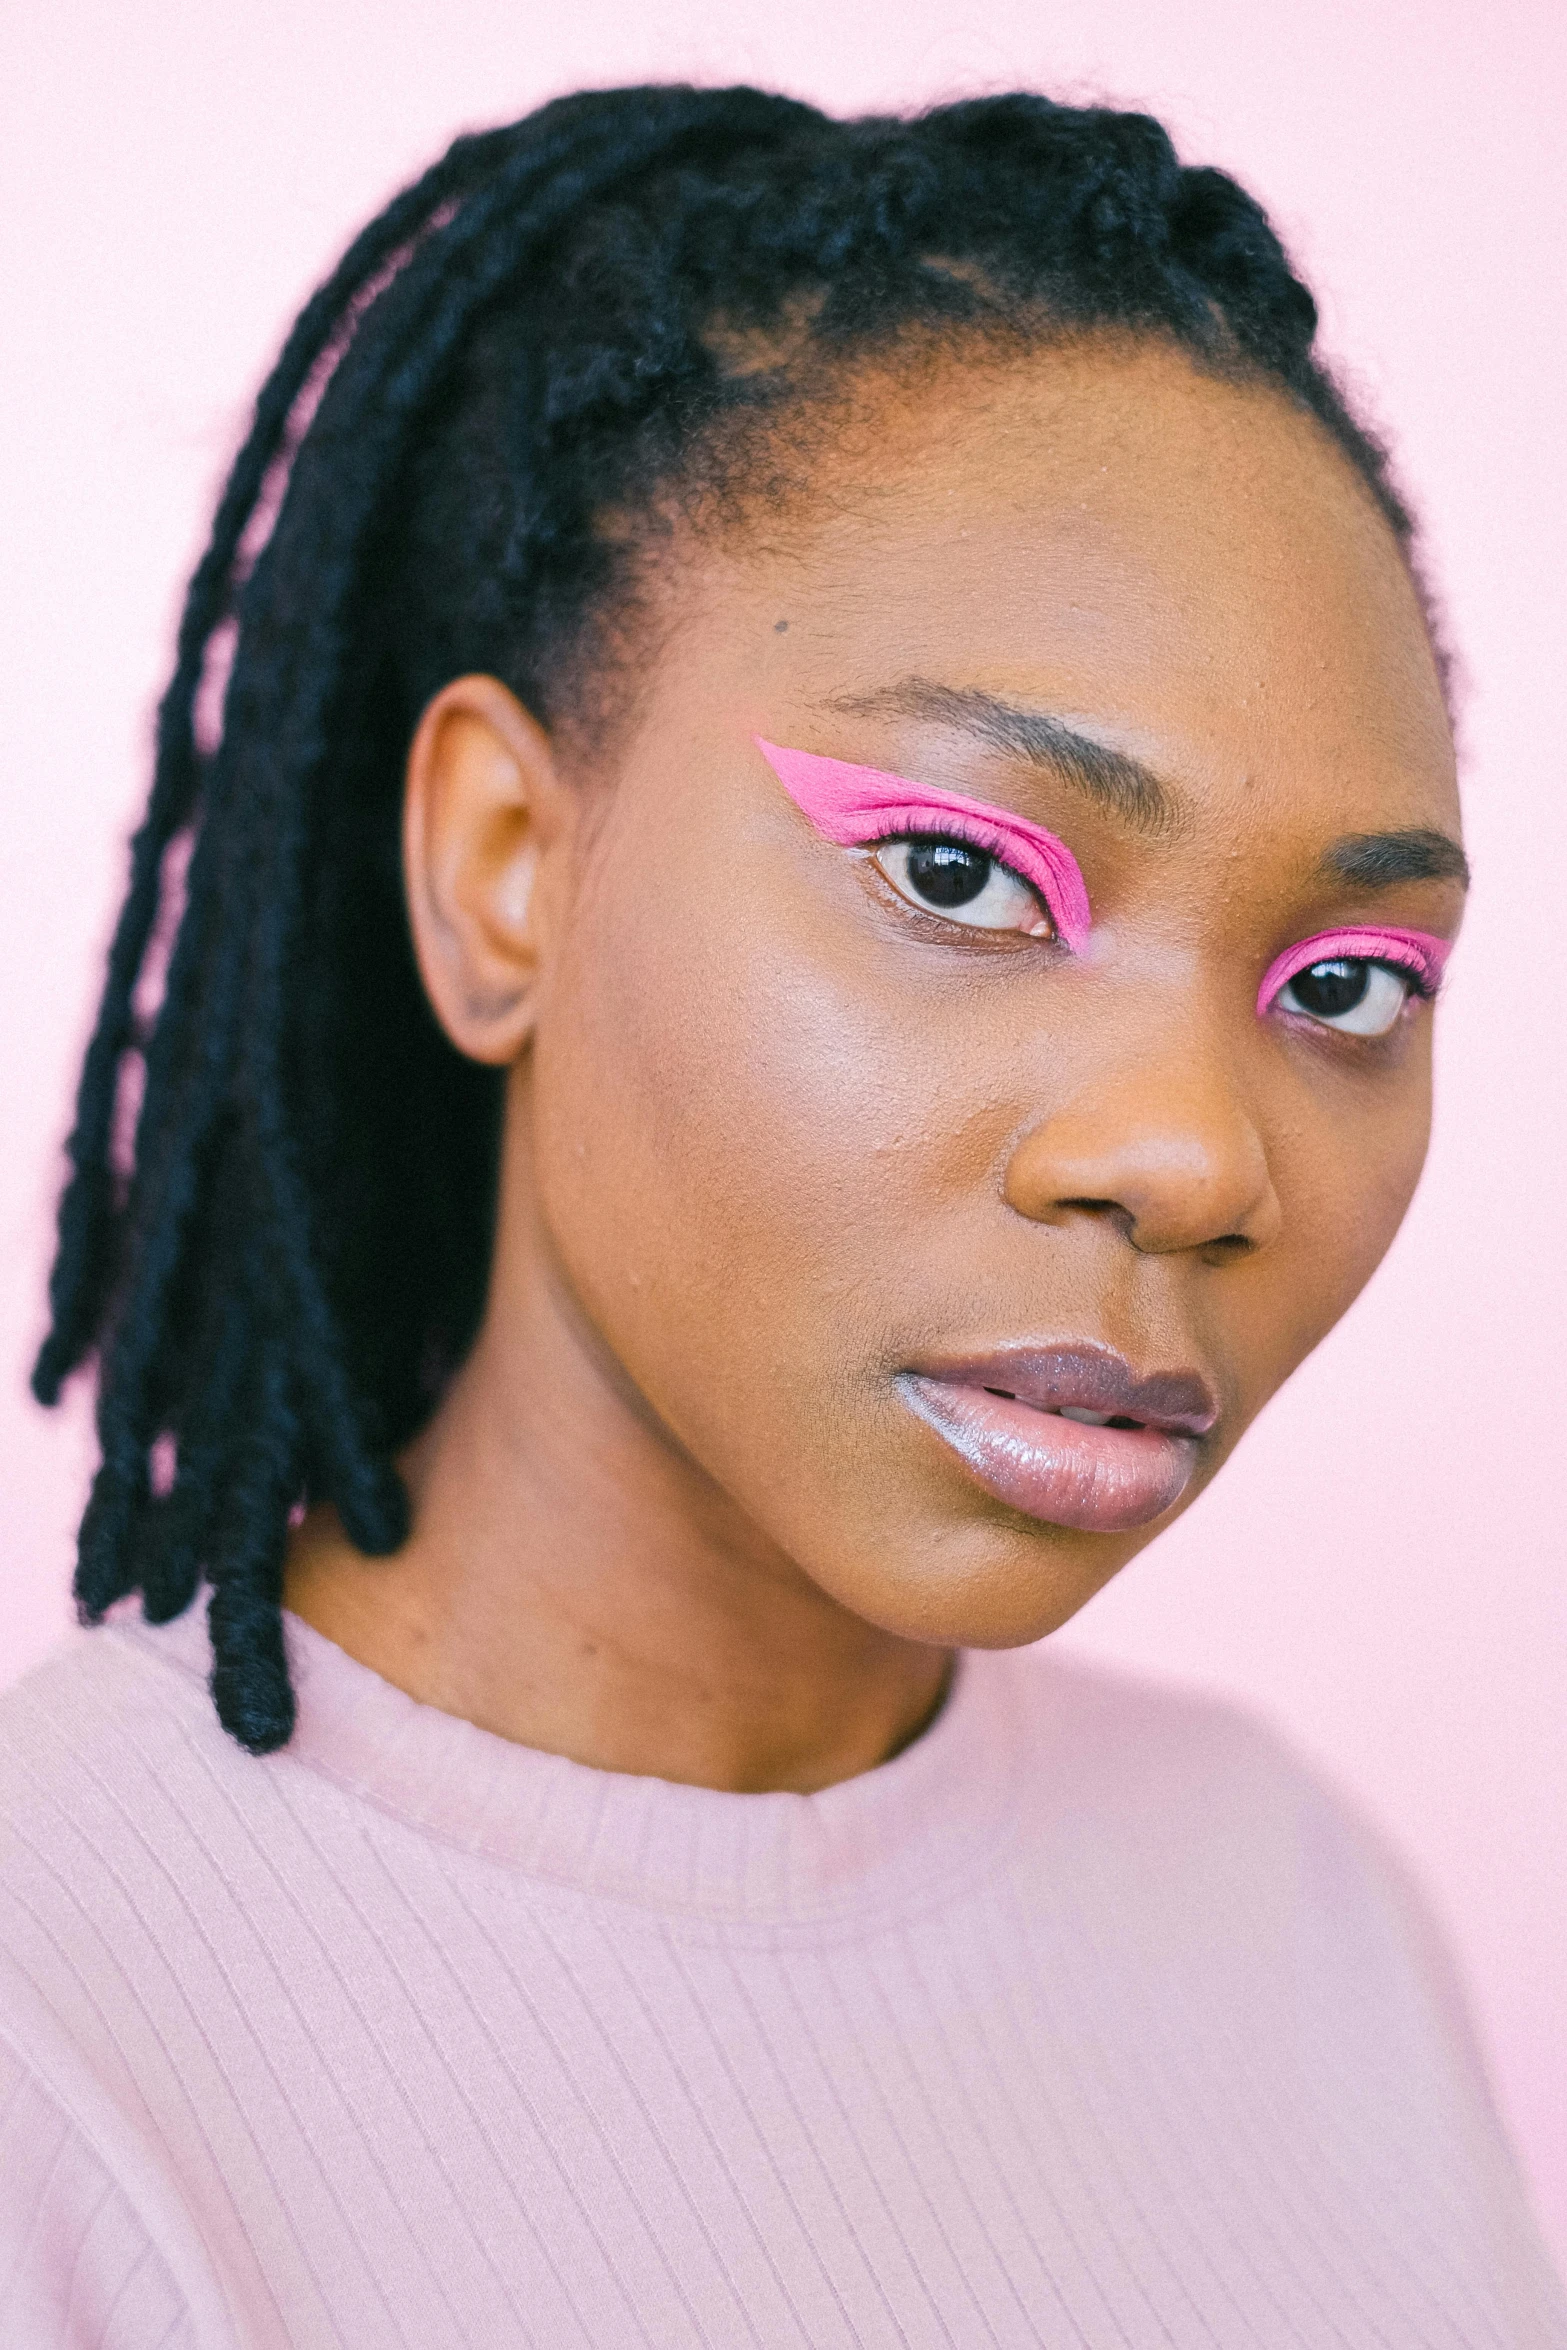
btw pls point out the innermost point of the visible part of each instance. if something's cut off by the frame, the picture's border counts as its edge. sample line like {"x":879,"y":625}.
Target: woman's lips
{"x":1014,"y":1420}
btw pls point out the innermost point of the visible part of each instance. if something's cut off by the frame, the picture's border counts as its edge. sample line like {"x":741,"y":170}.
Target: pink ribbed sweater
{"x":1089,"y":2021}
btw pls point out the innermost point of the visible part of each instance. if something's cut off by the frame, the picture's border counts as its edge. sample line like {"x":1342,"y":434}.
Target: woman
{"x":805,"y":976}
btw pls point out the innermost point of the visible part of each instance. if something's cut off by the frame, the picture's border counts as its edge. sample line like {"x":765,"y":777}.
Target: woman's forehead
{"x":1187,"y":566}
{"x":1112,"y":487}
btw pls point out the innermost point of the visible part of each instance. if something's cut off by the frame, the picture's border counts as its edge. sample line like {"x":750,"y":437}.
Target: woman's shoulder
{"x":102,"y":1749}
{"x":1195,"y":1806}
{"x":109,"y":1708}
{"x":1131,"y":1746}
{"x":1179,"y":1828}
{"x":103,"y":1755}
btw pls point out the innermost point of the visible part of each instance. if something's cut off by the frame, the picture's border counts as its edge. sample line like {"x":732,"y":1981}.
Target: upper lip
{"x":1086,"y":1378}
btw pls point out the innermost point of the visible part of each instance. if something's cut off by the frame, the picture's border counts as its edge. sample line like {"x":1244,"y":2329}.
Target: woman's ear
{"x":487,"y":829}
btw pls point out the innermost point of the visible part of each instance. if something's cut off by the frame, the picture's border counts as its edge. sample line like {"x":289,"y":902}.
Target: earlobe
{"x":487,"y":821}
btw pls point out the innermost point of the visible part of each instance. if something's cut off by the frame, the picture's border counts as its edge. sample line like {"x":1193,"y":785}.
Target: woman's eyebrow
{"x":1116,"y":782}
{"x":1377,"y":860}
{"x":1123,"y":787}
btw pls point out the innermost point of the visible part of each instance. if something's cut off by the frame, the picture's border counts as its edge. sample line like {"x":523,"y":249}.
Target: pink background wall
{"x":1383,"y":1570}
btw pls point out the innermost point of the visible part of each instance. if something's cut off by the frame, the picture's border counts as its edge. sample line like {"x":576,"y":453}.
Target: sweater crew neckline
{"x":896,"y":1836}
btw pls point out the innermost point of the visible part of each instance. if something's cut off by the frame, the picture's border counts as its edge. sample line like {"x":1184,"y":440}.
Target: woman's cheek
{"x":1349,"y":1182}
{"x":714,"y":1131}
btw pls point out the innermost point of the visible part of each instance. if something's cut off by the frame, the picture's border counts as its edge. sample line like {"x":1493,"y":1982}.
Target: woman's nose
{"x":1170,"y":1154}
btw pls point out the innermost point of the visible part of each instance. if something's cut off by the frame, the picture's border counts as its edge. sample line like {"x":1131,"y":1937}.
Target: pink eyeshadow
{"x":1411,"y":950}
{"x":855,"y":806}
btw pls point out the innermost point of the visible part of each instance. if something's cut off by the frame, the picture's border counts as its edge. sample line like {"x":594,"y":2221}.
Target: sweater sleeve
{"x":78,"y":2270}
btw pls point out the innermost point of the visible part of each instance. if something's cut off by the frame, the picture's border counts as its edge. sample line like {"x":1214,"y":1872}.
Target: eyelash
{"x":1419,"y":984}
{"x":864,"y":807}
{"x":970,"y":833}
{"x":1061,"y":897}
{"x":1415,"y":960}
{"x":1413,"y":955}
{"x":963,"y":834}
{"x":868,"y":808}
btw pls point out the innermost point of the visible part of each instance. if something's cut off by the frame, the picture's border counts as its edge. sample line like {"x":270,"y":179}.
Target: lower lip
{"x":1066,"y":1472}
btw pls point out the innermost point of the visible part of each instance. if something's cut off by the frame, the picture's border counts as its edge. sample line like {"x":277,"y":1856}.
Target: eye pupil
{"x":945,"y":872}
{"x":1328,"y":990}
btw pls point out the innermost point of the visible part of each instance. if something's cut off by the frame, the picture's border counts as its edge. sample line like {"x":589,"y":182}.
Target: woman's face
{"x":860,"y":1174}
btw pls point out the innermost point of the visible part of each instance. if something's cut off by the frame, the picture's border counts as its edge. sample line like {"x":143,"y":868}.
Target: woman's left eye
{"x":1357,"y":997}
{"x":962,"y":883}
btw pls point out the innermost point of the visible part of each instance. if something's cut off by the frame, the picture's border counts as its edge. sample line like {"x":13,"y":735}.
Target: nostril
{"x":1109,"y":1211}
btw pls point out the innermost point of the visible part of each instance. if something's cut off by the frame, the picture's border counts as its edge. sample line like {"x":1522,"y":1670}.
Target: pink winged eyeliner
{"x":857,"y":805}
{"x":1415,"y":951}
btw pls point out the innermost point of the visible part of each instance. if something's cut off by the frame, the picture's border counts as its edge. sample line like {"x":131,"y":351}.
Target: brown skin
{"x":772,"y":1137}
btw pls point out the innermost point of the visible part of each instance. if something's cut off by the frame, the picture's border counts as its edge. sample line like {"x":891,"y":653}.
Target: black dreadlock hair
{"x":282,"y":1274}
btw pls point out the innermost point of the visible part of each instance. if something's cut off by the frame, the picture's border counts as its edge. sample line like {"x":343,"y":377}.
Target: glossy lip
{"x":1003,"y":1415}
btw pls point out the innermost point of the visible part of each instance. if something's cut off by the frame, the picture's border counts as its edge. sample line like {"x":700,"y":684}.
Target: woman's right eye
{"x":962,"y":883}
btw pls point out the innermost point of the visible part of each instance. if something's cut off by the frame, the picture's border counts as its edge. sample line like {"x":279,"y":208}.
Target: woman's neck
{"x":574,"y":1582}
